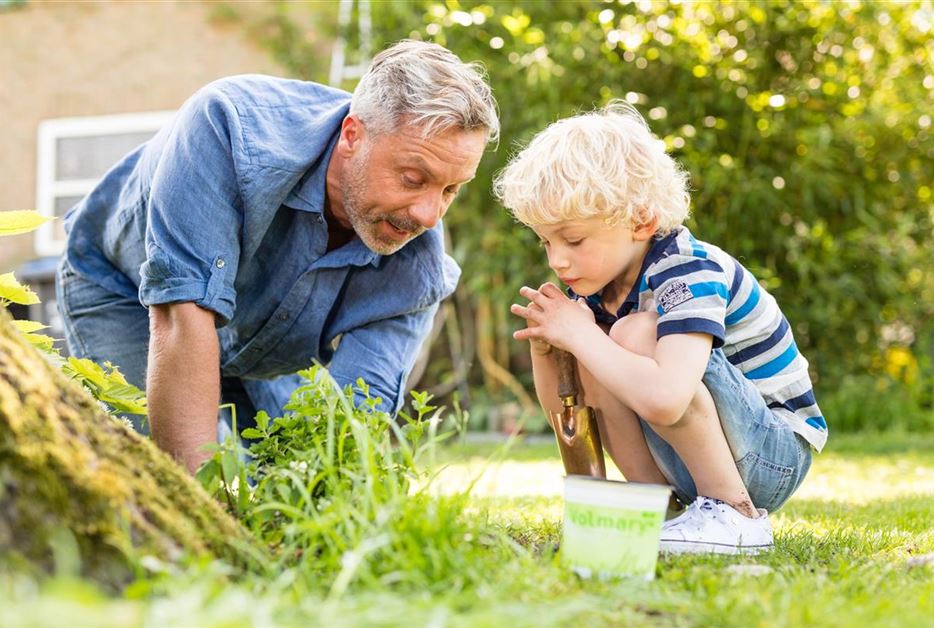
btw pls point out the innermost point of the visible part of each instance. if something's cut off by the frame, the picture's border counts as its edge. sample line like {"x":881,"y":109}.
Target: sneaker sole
{"x":690,"y":547}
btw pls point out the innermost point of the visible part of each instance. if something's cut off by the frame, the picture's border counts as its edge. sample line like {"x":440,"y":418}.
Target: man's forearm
{"x":183,"y":381}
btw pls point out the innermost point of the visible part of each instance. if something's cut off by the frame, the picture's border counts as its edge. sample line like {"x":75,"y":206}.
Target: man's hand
{"x":551,"y":317}
{"x":183,"y":381}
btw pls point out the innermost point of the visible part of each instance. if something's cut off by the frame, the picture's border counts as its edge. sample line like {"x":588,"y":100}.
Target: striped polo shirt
{"x":697,"y":287}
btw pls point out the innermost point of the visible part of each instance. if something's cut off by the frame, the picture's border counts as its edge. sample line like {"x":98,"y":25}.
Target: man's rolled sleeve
{"x":194,"y":213}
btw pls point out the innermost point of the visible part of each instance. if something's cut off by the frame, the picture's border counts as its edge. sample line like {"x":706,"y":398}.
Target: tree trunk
{"x":66,"y":466}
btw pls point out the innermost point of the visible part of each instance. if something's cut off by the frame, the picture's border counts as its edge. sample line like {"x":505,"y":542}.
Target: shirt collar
{"x":656,"y":251}
{"x":309,"y":193}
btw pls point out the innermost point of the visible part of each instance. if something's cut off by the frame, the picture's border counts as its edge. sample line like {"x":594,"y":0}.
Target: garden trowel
{"x":575,"y":426}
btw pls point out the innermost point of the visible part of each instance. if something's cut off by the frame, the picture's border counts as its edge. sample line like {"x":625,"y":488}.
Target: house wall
{"x":89,"y":59}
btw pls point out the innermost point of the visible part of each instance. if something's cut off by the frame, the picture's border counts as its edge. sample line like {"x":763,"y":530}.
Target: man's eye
{"x":451,"y":191}
{"x":411,"y":181}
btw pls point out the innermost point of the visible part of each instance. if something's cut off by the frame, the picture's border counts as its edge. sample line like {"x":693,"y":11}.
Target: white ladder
{"x":341,"y":70}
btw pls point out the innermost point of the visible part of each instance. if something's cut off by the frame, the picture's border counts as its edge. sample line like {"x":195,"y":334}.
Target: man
{"x":267,"y":221}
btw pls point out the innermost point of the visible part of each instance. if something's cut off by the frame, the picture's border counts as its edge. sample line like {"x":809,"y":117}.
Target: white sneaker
{"x":712,"y":526}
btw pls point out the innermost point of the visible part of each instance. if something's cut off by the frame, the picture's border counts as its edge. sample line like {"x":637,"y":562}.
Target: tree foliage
{"x":806,"y":127}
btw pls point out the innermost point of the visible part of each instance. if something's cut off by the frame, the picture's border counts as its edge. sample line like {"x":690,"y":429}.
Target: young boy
{"x":688,"y":362}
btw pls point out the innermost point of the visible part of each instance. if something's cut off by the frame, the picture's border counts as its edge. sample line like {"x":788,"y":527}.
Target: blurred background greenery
{"x":806,"y":127}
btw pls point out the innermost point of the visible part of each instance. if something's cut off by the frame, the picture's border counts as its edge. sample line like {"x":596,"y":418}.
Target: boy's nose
{"x":557,"y":262}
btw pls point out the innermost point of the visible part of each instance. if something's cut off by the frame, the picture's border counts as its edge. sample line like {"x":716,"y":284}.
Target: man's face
{"x":395,"y":186}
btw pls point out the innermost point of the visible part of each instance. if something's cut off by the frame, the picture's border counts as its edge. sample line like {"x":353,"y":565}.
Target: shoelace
{"x":693,"y":517}
{"x":710,"y":504}
{"x":699,"y":514}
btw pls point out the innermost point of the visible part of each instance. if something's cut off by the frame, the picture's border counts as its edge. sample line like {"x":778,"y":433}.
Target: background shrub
{"x":806,"y":128}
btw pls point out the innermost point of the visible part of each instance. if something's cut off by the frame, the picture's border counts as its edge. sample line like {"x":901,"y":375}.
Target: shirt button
{"x":220,"y":263}
{"x":284,"y":316}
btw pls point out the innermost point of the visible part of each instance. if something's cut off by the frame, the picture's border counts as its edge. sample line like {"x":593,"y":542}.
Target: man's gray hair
{"x":425,"y":85}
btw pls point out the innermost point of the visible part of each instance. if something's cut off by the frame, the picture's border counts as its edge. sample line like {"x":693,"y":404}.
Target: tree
{"x":74,"y":477}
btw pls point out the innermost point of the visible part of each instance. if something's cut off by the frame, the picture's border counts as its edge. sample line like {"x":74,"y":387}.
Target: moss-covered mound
{"x":67,"y":465}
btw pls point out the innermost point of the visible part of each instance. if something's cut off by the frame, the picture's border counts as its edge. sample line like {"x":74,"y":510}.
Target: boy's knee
{"x":636,"y":332}
{"x":701,"y":405}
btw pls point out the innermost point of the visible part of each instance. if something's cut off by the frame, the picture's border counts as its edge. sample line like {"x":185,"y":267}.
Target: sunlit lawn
{"x":853,"y":469}
{"x":854,"y":548}
{"x":855,"y":545}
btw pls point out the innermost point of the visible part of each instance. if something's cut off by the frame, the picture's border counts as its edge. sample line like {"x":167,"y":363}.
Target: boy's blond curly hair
{"x":603,"y":163}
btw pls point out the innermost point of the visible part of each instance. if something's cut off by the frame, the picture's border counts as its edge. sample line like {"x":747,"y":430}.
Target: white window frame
{"x":48,"y":188}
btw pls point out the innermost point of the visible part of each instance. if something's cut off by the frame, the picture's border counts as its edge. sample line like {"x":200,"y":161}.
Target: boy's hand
{"x":551,"y":317}
{"x":539,"y":347}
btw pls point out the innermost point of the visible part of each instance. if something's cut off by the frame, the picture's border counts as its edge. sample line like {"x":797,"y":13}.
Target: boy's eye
{"x":542,"y":243}
{"x":574,"y":242}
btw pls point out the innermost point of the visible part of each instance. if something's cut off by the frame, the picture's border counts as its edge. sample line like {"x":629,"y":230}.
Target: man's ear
{"x":352,"y":136}
{"x":645,"y":230}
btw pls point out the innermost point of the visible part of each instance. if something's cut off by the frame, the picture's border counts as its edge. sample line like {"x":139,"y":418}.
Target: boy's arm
{"x":545,"y":376}
{"x":658,"y":388}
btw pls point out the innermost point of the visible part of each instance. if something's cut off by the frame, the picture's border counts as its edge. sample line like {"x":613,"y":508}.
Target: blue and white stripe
{"x":697,"y":287}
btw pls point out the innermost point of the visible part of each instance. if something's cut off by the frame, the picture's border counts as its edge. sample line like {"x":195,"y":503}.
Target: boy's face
{"x":587,"y":254}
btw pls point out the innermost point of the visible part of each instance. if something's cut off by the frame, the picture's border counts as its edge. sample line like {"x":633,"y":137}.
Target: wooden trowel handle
{"x":567,"y":373}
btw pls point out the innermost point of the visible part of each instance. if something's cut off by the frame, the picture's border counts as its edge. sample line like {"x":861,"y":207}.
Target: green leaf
{"x":21,"y":221}
{"x":13,"y":290}
{"x":28,"y":327}
{"x":126,"y":404}
{"x":109,"y":386}
{"x":230,"y":463}
{"x":40,"y":341}
{"x":209,"y":474}
{"x":243,"y":495}
{"x":86,"y":370}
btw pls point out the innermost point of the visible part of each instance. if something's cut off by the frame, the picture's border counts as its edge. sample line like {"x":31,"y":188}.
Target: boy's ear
{"x":645,"y":230}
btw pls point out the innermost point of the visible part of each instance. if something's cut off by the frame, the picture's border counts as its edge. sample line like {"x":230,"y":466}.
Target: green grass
{"x":843,"y":545}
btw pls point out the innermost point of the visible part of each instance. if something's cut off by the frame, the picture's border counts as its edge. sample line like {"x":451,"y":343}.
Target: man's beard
{"x":365,"y":222}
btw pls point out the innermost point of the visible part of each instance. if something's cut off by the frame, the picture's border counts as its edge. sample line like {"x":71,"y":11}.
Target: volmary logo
{"x":633,"y":522}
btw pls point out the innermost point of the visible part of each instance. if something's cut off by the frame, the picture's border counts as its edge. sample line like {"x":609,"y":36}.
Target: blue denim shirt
{"x":224,"y":208}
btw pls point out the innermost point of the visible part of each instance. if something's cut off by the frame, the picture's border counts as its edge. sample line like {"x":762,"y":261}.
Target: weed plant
{"x":854,"y":547}
{"x":365,"y":530}
{"x":340,"y":492}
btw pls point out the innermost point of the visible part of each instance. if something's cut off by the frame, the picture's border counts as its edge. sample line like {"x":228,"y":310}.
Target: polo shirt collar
{"x":656,"y":251}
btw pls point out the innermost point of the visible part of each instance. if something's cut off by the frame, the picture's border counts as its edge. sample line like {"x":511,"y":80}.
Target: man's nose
{"x":427,"y":210}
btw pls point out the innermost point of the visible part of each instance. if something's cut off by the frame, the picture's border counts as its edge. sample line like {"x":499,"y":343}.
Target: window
{"x":74,"y":153}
